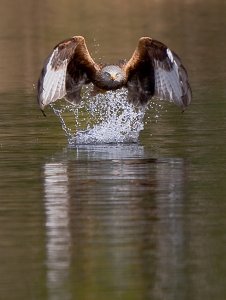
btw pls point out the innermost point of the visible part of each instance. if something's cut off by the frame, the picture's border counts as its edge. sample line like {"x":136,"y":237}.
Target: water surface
{"x":143,"y":220}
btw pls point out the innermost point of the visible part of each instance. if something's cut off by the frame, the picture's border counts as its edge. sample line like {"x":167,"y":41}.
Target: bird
{"x":152,"y":71}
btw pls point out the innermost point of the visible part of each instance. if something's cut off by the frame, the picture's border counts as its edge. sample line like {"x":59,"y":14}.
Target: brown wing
{"x":154,"y":70}
{"x":67,"y":68}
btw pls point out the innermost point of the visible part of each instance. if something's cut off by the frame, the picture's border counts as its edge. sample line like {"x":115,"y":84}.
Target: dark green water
{"x":133,"y":221}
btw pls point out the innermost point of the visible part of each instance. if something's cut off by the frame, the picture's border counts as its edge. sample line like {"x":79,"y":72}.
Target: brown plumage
{"x":153,"y":70}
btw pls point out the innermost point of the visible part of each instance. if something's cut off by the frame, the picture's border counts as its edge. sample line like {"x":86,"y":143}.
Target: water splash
{"x":104,"y":118}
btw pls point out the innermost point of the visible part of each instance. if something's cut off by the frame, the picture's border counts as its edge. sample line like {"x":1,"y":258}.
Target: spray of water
{"x":104,"y":118}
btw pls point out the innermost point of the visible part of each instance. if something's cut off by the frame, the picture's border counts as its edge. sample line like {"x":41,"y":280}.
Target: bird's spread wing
{"x":67,"y":68}
{"x":155,"y":70}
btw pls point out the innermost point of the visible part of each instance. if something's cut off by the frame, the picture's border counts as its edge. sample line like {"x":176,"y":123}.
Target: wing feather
{"x":51,"y":85}
{"x":159,"y":72}
{"x":54,"y":81}
{"x":67,"y":68}
{"x":172,"y":83}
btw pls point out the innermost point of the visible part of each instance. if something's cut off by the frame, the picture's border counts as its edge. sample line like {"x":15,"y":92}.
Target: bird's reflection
{"x":57,"y":228}
{"x":113,"y":219}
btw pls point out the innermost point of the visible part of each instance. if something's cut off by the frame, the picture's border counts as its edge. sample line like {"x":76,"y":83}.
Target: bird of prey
{"x":153,"y":70}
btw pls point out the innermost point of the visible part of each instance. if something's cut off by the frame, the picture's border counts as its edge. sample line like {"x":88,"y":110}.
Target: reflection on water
{"x":170,"y":243}
{"x":57,"y":229}
{"x":127,"y":233}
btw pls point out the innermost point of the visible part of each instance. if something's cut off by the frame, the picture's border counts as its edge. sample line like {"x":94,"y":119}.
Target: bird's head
{"x":112,"y":77}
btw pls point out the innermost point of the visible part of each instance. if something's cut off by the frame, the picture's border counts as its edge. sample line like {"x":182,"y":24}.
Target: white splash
{"x":104,"y":118}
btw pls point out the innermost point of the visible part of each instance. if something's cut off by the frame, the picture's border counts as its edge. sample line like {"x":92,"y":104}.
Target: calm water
{"x":136,"y":221}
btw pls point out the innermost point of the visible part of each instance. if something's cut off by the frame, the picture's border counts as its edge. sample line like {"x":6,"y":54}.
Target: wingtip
{"x":183,"y":110}
{"x":44,"y":114}
{"x":41,"y":105}
{"x":187,"y":98}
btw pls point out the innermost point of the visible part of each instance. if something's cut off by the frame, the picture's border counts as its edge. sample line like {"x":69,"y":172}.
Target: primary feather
{"x":52,"y":82}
